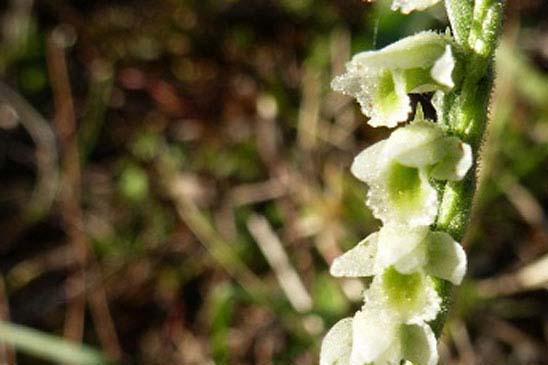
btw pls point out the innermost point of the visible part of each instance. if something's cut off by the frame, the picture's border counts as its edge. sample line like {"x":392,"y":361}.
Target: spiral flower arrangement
{"x":419,"y":182}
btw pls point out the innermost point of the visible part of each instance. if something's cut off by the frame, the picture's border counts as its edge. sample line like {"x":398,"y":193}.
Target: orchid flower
{"x":391,"y":326}
{"x":408,"y":249}
{"x":380,"y":80}
{"x":398,"y":170}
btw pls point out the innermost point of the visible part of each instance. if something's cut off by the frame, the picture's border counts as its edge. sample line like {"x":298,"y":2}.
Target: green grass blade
{"x":49,"y":347}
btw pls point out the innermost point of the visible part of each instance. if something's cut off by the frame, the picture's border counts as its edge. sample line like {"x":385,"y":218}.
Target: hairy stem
{"x":464,"y":111}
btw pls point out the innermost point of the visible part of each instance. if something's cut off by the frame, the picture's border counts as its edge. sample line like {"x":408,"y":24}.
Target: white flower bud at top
{"x":380,"y":80}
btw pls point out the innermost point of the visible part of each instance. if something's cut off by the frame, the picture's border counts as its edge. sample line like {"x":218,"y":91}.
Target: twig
{"x":461,"y":338}
{"x":73,"y":218}
{"x":531,"y":277}
{"x":104,"y":325}
{"x":258,"y":192}
{"x":65,"y":122}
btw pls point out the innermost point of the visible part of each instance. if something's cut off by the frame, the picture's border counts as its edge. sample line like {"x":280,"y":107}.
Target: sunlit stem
{"x":464,"y":111}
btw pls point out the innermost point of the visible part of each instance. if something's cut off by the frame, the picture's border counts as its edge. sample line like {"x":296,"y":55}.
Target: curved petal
{"x":443,"y":69}
{"x":337,"y":344}
{"x":456,"y":163}
{"x":407,"y":6}
{"x":413,"y":261}
{"x":368,"y":165}
{"x":418,"y":144}
{"x":446,"y":258}
{"x":374,"y":335}
{"x":359,"y":261}
{"x":420,"y":50}
{"x":419,"y":344}
{"x":396,"y":242}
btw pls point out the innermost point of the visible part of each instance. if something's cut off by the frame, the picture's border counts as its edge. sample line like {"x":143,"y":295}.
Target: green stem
{"x":464,"y":111}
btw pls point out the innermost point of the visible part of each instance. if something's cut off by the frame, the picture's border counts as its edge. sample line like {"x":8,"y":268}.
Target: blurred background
{"x":175,"y":182}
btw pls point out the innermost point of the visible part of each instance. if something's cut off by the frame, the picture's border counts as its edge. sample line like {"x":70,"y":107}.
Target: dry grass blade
{"x":219,"y":249}
{"x":273,"y":250}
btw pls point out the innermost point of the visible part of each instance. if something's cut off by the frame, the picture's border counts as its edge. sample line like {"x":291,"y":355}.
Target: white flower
{"x":390,"y":327}
{"x":408,"y":249}
{"x":397,"y":171}
{"x":337,"y":344}
{"x":408,"y":6}
{"x":388,"y":343}
{"x":395,"y":311}
{"x":380,"y":80}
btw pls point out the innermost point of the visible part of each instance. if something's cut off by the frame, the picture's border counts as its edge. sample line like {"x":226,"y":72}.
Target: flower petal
{"x":418,"y":144}
{"x":368,"y":165}
{"x":443,"y":69}
{"x":446,"y":258}
{"x":374,"y":335}
{"x":408,"y":6}
{"x":413,"y":261}
{"x":456,"y":163}
{"x":420,"y":50}
{"x":419,"y":344}
{"x":398,"y":241}
{"x":337,"y":344}
{"x":359,"y":261}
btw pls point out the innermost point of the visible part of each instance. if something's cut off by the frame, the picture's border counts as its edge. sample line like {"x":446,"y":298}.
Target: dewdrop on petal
{"x":380,"y":80}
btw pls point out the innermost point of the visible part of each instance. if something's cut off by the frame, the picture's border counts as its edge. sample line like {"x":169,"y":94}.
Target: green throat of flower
{"x":404,"y":186}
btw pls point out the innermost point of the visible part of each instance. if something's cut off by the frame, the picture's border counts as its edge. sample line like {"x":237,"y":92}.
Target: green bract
{"x":380,"y":80}
{"x":398,"y":169}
